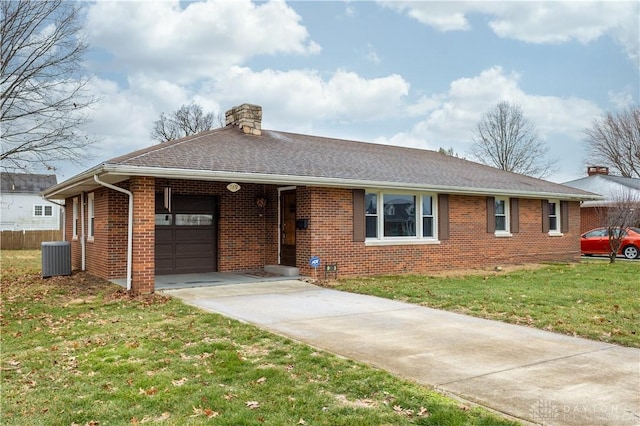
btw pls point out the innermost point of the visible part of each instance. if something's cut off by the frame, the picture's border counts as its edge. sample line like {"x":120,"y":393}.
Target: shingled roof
{"x":25,"y":183}
{"x":230,"y":154}
{"x":610,"y":187}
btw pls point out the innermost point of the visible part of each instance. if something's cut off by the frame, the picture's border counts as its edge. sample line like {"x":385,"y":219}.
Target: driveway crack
{"x":518,"y":367}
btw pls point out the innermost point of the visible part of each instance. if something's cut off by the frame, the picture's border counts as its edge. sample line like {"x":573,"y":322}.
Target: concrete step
{"x":285,"y":271}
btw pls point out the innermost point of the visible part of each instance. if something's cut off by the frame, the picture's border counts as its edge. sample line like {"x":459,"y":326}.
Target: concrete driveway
{"x":529,"y":374}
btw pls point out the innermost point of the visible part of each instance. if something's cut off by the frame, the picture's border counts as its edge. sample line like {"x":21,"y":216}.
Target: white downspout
{"x":129,"y":226}
{"x":83,"y":254}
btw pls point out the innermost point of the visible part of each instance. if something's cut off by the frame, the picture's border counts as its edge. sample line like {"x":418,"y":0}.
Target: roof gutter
{"x":51,"y":192}
{"x":332,"y":182}
{"x":129,"y":226}
{"x":127,"y":171}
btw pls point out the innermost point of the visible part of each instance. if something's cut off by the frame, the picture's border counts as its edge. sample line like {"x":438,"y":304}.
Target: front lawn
{"x":80,"y":351}
{"x":593,"y":299}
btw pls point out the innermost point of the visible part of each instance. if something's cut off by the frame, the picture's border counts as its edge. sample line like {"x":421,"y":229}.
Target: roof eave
{"x":73,"y":182}
{"x":125,"y":172}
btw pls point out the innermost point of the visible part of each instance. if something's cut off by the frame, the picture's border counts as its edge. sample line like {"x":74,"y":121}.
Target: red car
{"x":596,"y":241}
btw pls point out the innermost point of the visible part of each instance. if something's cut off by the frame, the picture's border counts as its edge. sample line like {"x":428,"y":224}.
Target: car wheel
{"x":630,"y":252}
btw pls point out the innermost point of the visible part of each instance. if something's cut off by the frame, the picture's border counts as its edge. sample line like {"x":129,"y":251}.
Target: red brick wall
{"x":106,"y":253}
{"x":247,"y":234}
{"x":591,"y":217}
{"x":68,"y":232}
{"x":470,"y":246}
{"x":97,"y":248}
{"x":143,"y":273}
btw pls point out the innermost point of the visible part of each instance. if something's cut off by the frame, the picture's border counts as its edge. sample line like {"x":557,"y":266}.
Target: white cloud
{"x":123,"y":119}
{"x":450,"y":117}
{"x":537,"y":22}
{"x":295,"y":99}
{"x":292,"y":100}
{"x":622,"y":99}
{"x":196,"y":40}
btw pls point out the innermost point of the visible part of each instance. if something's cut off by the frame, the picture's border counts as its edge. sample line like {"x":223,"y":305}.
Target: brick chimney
{"x":597,"y":170}
{"x":246,"y":116}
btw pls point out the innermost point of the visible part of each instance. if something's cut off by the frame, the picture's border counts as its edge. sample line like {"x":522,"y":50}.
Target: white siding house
{"x":22,"y":207}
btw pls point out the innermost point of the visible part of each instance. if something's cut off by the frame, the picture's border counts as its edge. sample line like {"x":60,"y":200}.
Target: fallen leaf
{"x":207,"y":412}
{"x":162,"y":417}
{"x":151,"y":391}
{"x":424,"y":412}
{"x":210,"y":413}
{"x":253,"y":404}
{"x":179,"y":382}
{"x":261,"y":380}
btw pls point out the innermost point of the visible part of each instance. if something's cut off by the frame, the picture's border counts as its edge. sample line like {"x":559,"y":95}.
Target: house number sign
{"x":314,"y":262}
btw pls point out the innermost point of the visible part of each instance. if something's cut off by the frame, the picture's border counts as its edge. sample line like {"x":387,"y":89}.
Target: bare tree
{"x":620,"y":212}
{"x":614,"y":141}
{"x":187,"y":120}
{"x":506,"y":139}
{"x":43,"y":85}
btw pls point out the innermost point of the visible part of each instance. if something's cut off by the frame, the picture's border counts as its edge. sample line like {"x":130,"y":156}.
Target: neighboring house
{"x":616,"y":191}
{"x":23,"y":208}
{"x":240,"y":198}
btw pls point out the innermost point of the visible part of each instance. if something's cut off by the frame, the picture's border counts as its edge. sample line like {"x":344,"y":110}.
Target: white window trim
{"x":91,"y":217}
{"x":507,"y":218}
{"x":74,"y":224}
{"x":558,"y":231}
{"x":43,"y":211}
{"x":381,"y":240}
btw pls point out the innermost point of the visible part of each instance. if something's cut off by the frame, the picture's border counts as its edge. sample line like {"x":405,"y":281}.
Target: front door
{"x":288,"y":228}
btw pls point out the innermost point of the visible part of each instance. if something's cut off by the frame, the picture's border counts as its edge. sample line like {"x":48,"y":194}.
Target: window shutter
{"x":443,"y":216}
{"x":358,"y":215}
{"x":564,"y":216}
{"x":545,"y":216}
{"x":514,"y":210}
{"x":491,"y":215}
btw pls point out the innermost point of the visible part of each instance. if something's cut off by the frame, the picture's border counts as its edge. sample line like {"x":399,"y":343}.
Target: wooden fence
{"x":27,"y":240}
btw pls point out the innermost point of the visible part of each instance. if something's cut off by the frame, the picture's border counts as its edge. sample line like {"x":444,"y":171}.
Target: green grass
{"x":593,"y":299}
{"x":79,"y":351}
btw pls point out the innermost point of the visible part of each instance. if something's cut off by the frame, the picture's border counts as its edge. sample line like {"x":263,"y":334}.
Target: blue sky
{"x":417,"y":74}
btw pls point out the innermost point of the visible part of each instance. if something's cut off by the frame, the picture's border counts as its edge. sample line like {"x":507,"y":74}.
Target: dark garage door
{"x":186,"y":237}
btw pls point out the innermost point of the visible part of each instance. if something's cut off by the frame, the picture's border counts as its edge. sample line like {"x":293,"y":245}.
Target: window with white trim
{"x":75,"y":218}
{"x":554,"y":216}
{"x":428,"y":217}
{"x":501,"y":213}
{"x":42,"y":211}
{"x":371,"y":214}
{"x":91,"y":214}
{"x":400,"y":216}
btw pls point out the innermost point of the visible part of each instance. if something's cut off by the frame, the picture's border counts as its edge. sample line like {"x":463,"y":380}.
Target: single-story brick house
{"x":239,"y":198}
{"x":616,"y":191}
